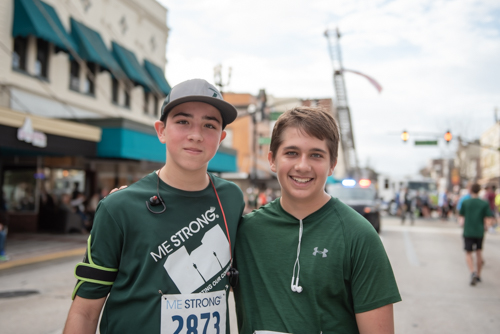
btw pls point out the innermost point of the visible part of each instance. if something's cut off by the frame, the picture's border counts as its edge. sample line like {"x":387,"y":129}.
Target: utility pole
{"x":218,"y":77}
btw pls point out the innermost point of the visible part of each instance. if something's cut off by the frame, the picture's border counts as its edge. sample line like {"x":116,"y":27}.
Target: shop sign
{"x":27,"y":134}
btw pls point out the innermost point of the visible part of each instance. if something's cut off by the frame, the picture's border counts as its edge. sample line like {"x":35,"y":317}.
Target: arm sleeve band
{"x":88,"y":271}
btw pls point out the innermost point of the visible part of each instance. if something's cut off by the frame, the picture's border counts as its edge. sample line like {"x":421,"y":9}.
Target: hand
{"x":116,"y":189}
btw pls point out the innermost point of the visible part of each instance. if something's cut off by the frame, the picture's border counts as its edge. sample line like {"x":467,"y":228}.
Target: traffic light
{"x":405,"y":136}
{"x":447,"y":136}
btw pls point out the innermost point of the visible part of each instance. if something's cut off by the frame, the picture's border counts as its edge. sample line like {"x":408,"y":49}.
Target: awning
{"x":132,"y":68}
{"x":35,"y":17}
{"x":332,"y":180}
{"x":158,"y":76}
{"x":91,"y":47}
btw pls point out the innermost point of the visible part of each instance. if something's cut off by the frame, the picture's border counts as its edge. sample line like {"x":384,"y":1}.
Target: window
{"x":146,"y":103}
{"x":114,"y":90}
{"x":42,"y":58}
{"x":89,"y":85}
{"x":20,"y":52}
{"x":74,"y":76}
{"x":127,"y":97}
{"x":155,"y":106}
{"x":19,"y":189}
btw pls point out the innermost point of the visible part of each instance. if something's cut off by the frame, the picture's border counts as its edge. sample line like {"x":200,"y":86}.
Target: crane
{"x":341,"y":103}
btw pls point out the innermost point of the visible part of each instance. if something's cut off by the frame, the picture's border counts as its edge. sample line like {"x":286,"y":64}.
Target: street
{"x":427,"y":259}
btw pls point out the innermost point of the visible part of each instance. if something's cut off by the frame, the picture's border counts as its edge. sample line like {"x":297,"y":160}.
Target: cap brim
{"x":227,"y":110}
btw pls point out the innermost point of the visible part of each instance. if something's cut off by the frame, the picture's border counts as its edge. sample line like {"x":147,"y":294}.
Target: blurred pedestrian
{"x":3,"y":228}
{"x":424,"y":198}
{"x":408,"y":206}
{"x":476,"y":215}
{"x":489,"y":196}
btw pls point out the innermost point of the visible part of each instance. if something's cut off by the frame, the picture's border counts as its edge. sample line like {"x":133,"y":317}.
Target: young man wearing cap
{"x":160,"y":249}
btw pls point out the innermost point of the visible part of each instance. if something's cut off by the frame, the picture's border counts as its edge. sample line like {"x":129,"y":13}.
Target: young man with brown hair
{"x":309,"y":263}
{"x":160,"y":249}
{"x":475,"y":214}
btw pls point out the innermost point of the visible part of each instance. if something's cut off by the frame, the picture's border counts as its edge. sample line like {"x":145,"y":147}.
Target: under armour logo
{"x":316,"y":251}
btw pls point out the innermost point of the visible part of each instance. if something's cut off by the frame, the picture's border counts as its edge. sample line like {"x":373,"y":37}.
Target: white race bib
{"x":203,"y":313}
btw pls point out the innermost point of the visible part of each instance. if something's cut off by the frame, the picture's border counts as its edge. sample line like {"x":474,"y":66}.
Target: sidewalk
{"x":28,"y":248}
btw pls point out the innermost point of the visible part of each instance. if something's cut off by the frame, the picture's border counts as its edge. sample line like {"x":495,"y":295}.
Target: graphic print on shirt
{"x":191,"y":271}
{"x":316,"y":251}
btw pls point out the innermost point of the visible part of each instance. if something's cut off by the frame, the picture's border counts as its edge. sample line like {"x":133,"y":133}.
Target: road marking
{"x":410,"y":250}
{"x":45,"y":257}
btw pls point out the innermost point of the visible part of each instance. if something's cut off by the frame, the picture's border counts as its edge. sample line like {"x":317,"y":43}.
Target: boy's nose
{"x":303,"y":164}
{"x":195,"y":135}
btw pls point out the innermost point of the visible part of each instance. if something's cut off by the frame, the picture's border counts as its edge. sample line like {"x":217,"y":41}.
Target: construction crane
{"x":341,"y":103}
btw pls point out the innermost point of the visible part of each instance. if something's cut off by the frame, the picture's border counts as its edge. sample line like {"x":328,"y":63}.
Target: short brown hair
{"x":315,"y":121}
{"x":475,"y":188}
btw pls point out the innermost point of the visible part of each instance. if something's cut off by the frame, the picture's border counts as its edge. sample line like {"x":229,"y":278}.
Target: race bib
{"x":197,"y":313}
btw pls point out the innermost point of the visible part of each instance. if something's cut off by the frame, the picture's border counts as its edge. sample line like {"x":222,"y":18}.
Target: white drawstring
{"x":295,"y":283}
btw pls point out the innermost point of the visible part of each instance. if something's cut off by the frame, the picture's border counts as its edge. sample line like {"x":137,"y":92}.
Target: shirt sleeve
{"x":105,"y":249}
{"x":372,"y":280}
{"x":462,"y":209}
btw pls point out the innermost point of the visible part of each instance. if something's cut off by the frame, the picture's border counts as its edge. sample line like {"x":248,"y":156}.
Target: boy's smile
{"x":302,"y":164}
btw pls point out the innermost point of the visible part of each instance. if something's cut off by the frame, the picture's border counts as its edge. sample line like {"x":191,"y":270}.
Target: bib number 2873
{"x":200,"y":313}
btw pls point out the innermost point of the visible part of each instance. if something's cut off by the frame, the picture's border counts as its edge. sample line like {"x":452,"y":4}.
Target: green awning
{"x":158,"y":76}
{"x":91,"y":48}
{"x":36,"y":18}
{"x":132,"y":68}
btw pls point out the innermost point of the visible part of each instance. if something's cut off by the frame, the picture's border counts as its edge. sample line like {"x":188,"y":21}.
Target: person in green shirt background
{"x":476,"y":216}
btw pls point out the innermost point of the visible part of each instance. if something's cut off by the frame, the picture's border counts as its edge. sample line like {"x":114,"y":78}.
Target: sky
{"x":437,"y":61}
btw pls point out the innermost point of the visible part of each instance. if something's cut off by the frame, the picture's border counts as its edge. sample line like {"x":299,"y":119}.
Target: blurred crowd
{"x":445,"y":205}
{"x":256,"y":197}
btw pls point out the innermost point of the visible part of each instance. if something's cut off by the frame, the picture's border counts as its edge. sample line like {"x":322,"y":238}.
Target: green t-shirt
{"x":183,"y":250}
{"x":344,"y":270}
{"x":474,"y":210}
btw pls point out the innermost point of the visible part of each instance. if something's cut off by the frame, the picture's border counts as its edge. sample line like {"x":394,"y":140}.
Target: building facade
{"x":490,"y":156}
{"x":81,"y":84}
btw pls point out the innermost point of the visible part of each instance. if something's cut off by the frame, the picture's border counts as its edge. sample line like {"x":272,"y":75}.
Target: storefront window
{"x":19,"y":190}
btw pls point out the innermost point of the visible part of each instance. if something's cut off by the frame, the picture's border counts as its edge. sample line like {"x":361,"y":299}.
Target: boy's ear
{"x":160,"y":127}
{"x":222,"y":136}
{"x":270,"y":157}
{"x":332,"y":167}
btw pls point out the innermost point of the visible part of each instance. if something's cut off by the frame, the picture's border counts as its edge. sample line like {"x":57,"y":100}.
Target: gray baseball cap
{"x":198,"y":90}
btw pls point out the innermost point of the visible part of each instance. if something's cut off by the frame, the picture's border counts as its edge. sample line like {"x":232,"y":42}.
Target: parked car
{"x":363,"y":199}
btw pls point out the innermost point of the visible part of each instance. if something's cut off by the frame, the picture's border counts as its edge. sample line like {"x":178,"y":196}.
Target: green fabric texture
{"x":146,"y":249}
{"x":91,"y":48}
{"x":132,"y":68}
{"x":474,"y":210}
{"x":344,"y":270}
{"x":158,"y":76}
{"x":39,"y":19}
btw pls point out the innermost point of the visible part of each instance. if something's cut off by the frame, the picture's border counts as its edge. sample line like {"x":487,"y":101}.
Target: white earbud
{"x":295,"y":287}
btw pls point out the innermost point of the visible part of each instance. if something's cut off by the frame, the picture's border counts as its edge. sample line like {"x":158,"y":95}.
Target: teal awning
{"x":126,"y":143}
{"x":132,"y":68}
{"x":158,"y":76}
{"x":91,"y":47}
{"x":36,"y":18}
{"x":332,"y":180}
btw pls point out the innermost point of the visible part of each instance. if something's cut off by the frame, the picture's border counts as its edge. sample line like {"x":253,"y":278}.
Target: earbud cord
{"x":224,"y":216}
{"x":297,"y":261}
